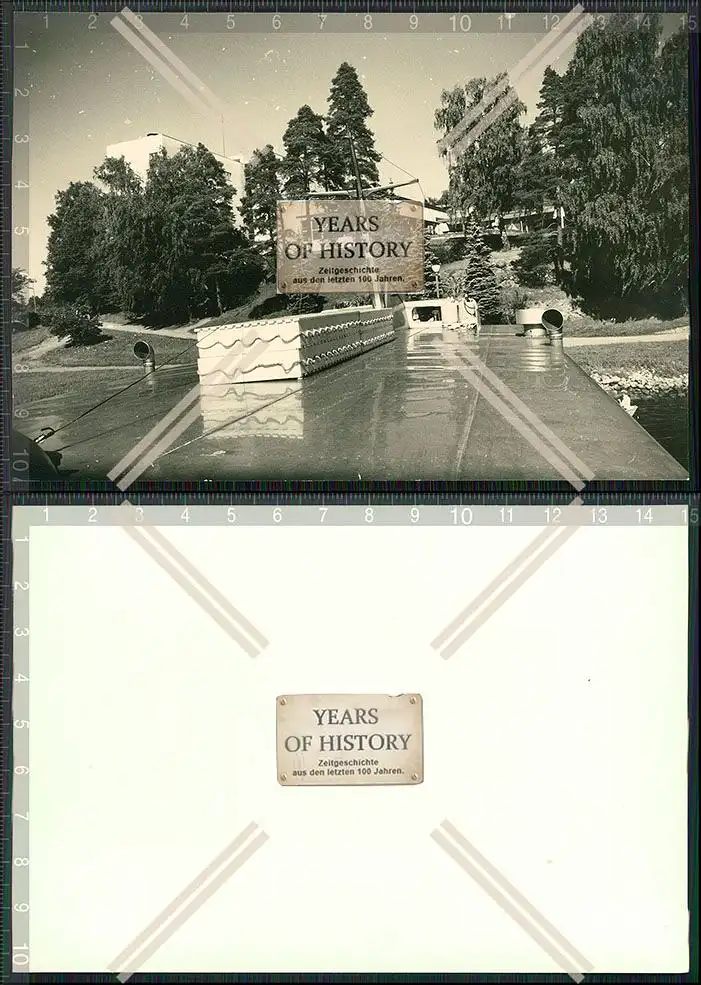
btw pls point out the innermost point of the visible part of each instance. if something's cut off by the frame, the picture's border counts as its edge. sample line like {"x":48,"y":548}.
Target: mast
{"x":376,"y":299}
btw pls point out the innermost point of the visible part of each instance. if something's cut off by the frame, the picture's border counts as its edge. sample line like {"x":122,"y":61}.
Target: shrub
{"x":450,"y":251}
{"x":535,"y":265}
{"x":512,"y":298}
{"x":76,"y":322}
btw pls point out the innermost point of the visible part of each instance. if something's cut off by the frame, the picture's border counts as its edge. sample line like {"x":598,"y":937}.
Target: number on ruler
{"x":463,"y":516}
{"x":463,"y":23}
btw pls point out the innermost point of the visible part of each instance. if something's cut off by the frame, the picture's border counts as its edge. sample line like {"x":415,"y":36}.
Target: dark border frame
{"x":193,"y":493}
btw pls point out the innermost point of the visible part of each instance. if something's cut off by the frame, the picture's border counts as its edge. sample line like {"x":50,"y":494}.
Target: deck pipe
{"x":144,"y":352}
{"x":541,"y":323}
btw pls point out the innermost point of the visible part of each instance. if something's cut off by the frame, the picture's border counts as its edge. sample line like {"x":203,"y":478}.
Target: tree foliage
{"x":483,"y":178}
{"x":307,"y":154}
{"x":73,"y":252}
{"x":619,"y":126}
{"x":75,"y":322}
{"x":348,"y":113}
{"x":477,"y":278}
{"x":610,"y":145}
{"x":165,"y":250}
{"x":259,"y":204}
{"x":20,"y":284}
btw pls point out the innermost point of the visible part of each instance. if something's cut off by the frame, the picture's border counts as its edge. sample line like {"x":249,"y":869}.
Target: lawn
{"x":29,"y":387}
{"x":27,"y":339}
{"x":583,"y":327}
{"x":661,"y":358}
{"x":112,"y":350}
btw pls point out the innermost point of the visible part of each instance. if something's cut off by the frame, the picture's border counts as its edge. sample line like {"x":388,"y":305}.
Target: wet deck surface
{"x":402,"y":412}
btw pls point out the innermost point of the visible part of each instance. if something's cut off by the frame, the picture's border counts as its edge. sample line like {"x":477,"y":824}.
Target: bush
{"x":535,"y":265}
{"x":450,"y":251}
{"x":512,"y":299}
{"x":76,"y":322}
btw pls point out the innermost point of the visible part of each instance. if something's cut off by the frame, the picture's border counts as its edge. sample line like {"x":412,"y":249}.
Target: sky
{"x":87,"y":88}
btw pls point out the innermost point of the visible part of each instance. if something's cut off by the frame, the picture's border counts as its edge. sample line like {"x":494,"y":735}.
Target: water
{"x":666,"y":417}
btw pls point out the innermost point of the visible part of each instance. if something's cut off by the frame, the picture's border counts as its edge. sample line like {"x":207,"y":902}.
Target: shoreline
{"x":643,"y":382}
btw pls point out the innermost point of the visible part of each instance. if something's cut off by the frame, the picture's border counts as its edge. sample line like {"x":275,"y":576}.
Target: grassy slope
{"x":115,"y":350}
{"x":29,"y":387}
{"x":662,"y":358}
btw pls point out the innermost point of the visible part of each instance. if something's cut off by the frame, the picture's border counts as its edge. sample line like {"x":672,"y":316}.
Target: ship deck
{"x":404,"y":411}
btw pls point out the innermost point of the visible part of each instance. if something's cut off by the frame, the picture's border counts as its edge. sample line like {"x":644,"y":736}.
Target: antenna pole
{"x":376,"y":299}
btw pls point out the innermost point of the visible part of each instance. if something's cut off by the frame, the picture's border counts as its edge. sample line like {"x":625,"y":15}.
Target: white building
{"x":137,"y":153}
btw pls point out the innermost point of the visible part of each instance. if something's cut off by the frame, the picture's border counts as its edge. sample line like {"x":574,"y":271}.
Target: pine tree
{"x":259,"y":204}
{"x":306,"y":159}
{"x":348,"y":113}
{"x":477,"y":278}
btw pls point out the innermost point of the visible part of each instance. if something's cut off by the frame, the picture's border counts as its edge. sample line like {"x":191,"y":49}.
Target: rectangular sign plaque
{"x":349,"y":739}
{"x":335,"y":247}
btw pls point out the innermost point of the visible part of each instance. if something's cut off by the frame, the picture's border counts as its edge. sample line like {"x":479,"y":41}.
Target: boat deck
{"x":404,"y":411}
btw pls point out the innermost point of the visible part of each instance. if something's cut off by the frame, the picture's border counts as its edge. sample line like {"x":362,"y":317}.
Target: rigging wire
{"x":101,"y":403}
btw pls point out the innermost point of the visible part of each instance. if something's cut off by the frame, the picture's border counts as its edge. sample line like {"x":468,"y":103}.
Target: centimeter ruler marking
{"x":361,"y":513}
{"x":396,"y":8}
{"x":20,"y":856}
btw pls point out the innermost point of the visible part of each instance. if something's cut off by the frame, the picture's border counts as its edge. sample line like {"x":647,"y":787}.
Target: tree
{"x":259,"y":204}
{"x":72,"y":263}
{"x":348,"y":113}
{"x":537,"y":179}
{"x":76,"y":322}
{"x":483,"y":178}
{"x":120,"y":243}
{"x":623,"y":161}
{"x":431,"y":259}
{"x":20,"y":284}
{"x":306,"y":161}
{"x":194,"y":259}
{"x":477,"y":278}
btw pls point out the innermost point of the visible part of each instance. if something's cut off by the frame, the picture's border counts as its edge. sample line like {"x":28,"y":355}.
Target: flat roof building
{"x":137,"y":153}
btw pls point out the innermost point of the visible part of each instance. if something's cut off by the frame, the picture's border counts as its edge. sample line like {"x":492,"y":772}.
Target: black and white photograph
{"x":528,"y":319}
